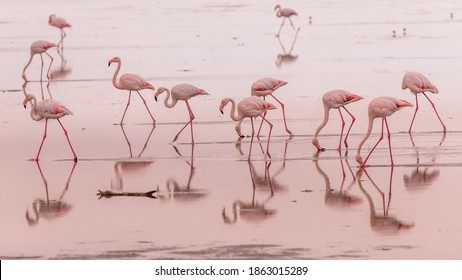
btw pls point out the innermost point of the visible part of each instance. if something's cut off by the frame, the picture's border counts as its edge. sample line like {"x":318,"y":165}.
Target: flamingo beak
{"x":202,"y":92}
{"x":354,"y":97}
{"x":282,"y":83}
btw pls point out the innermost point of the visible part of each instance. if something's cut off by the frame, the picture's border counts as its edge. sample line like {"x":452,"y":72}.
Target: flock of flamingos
{"x":251,"y":107}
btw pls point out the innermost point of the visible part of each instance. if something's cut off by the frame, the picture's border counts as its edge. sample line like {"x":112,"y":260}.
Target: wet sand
{"x":211,"y":202}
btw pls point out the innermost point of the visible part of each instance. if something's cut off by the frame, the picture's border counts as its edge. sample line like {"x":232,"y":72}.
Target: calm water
{"x":210,"y":201}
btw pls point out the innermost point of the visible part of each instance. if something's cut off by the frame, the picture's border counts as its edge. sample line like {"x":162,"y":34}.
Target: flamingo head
{"x":268,"y":106}
{"x":27,"y":99}
{"x":223,"y":104}
{"x":277,"y":7}
{"x":114,"y":59}
{"x":159,"y":91}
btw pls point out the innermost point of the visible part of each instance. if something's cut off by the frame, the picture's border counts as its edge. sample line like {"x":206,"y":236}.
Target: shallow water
{"x":211,"y":202}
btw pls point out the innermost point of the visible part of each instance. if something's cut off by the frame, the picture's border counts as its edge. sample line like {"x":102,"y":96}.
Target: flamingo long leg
{"x":280,"y":28}
{"x":251,"y":139}
{"x":261,"y":124}
{"x":353,"y":119}
{"x":380,"y":139}
{"x":269,"y":135}
{"x":389,"y":142}
{"x":291,"y":23}
{"x":146,"y":105}
{"x":434,"y":108}
{"x":49,"y":67}
{"x":126,"y":107}
{"x":191,"y":118}
{"x":41,"y":68}
{"x":43,"y":140}
{"x":69,"y":141}
{"x":283,"y":114}
{"x":341,"y":132}
{"x":415,"y":113}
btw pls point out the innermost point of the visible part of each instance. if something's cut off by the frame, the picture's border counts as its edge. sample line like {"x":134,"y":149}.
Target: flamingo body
{"x":418,"y":83}
{"x":48,"y":109}
{"x":285,"y":13}
{"x":181,"y":92}
{"x":380,"y":107}
{"x":250,"y":107}
{"x":336,"y":99}
{"x":130,"y":82}
{"x":39,"y":47}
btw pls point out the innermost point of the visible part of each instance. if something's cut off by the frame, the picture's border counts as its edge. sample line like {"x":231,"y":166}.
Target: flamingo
{"x":336,"y":99}
{"x":286,"y":13}
{"x":39,"y":47}
{"x":250,"y":107}
{"x":262,"y":88}
{"x":380,"y":107}
{"x":418,"y":83}
{"x":130,"y":82}
{"x":181,"y":92}
{"x":60,"y":23}
{"x":48,"y":109}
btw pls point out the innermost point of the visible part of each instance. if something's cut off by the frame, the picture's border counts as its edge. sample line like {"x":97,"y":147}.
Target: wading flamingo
{"x":285,"y":13}
{"x":336,"y":99}
{"x":417,"y":83}
{"x":60,"y":23}
{"x":48,"y":109}
{"x":181,"y":92}
{"x":39,"y":47}
{"x":130,"y":82}
{"x":250,"y":107}
{"x":380,"y":107}
{"x":262,"y":88}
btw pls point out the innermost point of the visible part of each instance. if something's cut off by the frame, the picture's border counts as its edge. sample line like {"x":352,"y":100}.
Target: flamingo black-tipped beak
{"x":24,"y":106}
{"x":155,"y":98}
{"x":108,"y":64}
{"x":221,"y":111}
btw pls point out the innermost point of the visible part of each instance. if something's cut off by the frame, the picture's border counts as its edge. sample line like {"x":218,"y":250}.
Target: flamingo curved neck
{"x":114,"y":78}
{"x":33,"y":111}
{"x":232,"y":113}
{"x":173,"y":100}
{"x":324,"y":122}
{"x":368,"y":133}
{"x":369,"y":200}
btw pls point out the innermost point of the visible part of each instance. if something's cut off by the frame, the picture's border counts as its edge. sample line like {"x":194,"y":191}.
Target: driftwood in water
{"x":109,"y":194}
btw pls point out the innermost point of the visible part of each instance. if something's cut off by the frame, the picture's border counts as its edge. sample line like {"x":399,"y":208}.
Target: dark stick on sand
{"x":110,"y":194}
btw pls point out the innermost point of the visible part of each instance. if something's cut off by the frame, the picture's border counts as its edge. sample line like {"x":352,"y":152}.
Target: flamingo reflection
{"x":287,"y":57}
{"x":340,"y":198}
{"x":419,"y":178}
{"x":382,"y":223}
{"x":24,"y":89}
{"x":186,"y":193}
{"x":62,"y":72}
{"x":49,"y":208}
{"x":130,"y":145}
{"x":252,"y":211}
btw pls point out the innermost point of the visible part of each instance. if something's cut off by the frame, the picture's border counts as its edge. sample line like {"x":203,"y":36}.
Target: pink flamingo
{"x":262,"y":88}
{"x":181,"y":92}
{"x":130,"y":82}
{"x":336,"y":99}
{"x":380,"y":107}
{"x":60,"y":23}
{"x":286,"y":13}
{"x":39,"y":47}
{"x":250,"y":107}
{"x":48,"y":109}
{"x":417,"y":83}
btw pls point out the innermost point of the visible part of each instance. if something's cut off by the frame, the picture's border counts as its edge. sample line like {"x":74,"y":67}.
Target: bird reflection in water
{"x":382,"y":223}
{"x":287,"y":57}
{"x":24,"y":89}
{"x":340,"y":198}
{"x":62,"y":72}
{"x":253,"y":211}
{"x":180,"y":193}
{"x":421,"y":178}
{"x":49,"y":208}
{"x":130,"y":145}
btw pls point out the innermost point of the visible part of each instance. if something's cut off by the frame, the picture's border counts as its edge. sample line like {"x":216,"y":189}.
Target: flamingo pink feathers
{"x":39,"y":47}
{"x":181,"y":92}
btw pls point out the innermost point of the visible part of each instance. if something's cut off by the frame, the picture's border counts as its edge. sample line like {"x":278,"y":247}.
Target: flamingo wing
{"x":132,"y":82}
{"x":184,"y":91}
